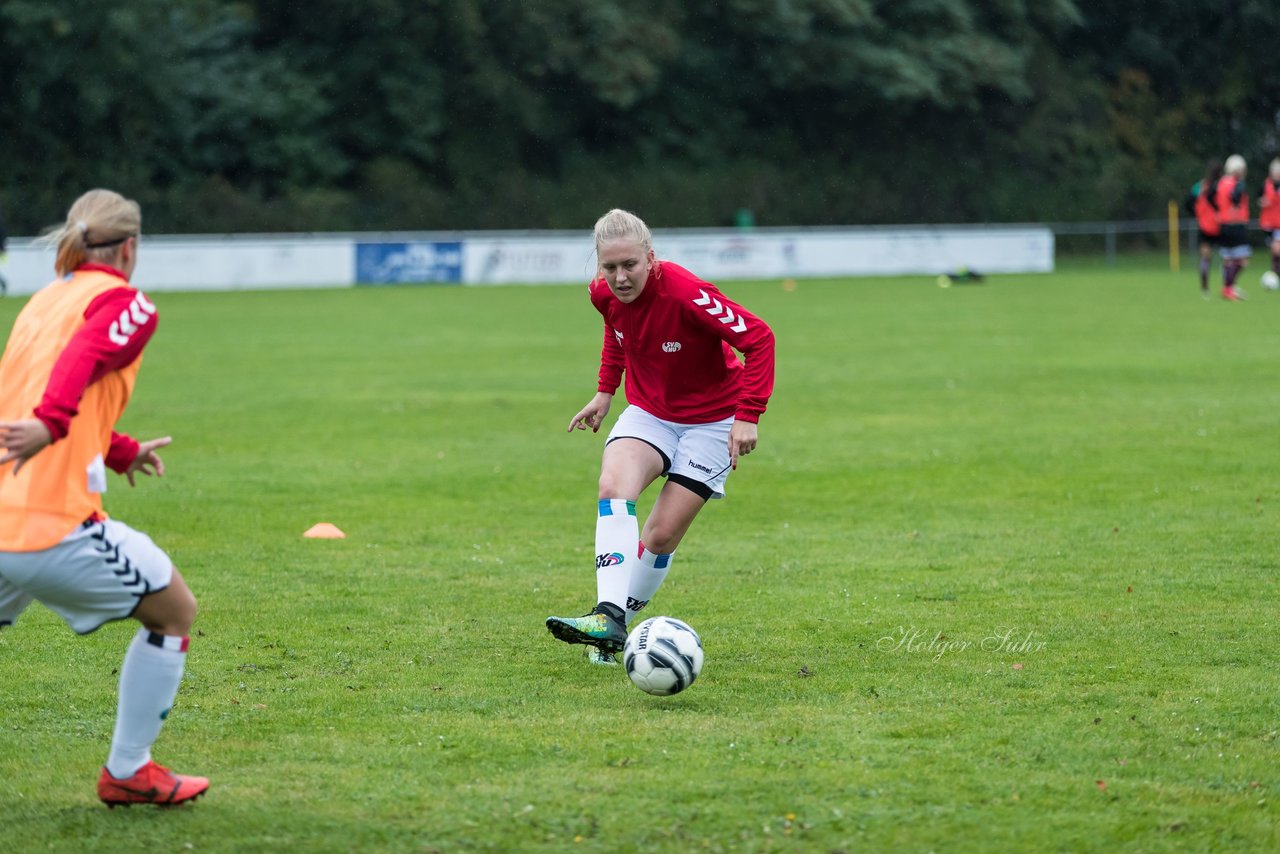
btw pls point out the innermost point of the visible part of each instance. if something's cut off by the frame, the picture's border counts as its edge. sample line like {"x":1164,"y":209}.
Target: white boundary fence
{"x":260,"y":262}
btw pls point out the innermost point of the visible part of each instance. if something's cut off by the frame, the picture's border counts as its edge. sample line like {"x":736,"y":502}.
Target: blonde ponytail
{"x":98,"y":222}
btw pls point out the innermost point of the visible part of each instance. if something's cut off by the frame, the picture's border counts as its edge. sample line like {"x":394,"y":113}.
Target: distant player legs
{"x":1206,"y":261}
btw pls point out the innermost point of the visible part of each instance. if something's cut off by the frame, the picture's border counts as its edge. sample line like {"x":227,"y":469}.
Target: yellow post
{"x":1173,"y":236}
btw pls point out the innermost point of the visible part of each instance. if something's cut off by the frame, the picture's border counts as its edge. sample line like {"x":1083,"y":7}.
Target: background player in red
{"x":1200,"y":204}
{"x":67,"y":373}
{"x":1269,"y":213}
{"x":1232,"y":203}
{"x":692,"y":413}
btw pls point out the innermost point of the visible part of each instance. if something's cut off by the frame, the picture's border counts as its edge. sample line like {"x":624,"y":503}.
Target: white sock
{"x":149,"y":681}
{"x":617,"y":540}
{"x":646,"y":577}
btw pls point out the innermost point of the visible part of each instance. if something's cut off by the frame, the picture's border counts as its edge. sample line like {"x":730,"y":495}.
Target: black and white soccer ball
{"x":663,"y":656}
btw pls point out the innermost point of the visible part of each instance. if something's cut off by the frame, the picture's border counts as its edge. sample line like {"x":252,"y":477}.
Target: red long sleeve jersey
{"x":117,"y":326}
{"x":675,"y":343}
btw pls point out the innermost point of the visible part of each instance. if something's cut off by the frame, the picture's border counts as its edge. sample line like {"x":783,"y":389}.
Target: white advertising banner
{"x":244,"y":263}
{"x":233,"y":262}
{"x":716,"y":255}
{"x":236,"y":262}
{"x":26,"y":269}
{"x":533,"y":259}
{"x":860,"y":252}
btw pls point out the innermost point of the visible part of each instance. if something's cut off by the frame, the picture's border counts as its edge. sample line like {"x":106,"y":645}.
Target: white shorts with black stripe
{"x":97,"y":574}
{"x":695,"y":454}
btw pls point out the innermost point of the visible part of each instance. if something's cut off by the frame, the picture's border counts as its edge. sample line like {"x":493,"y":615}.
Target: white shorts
{"x":99,"y":573}
{"x":1233,"y":253}
{"x":1272,"y":235}
{"x":698,"y":453}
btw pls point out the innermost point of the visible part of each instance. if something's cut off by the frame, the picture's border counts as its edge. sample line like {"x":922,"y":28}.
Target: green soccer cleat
{"x":597,"y":629}
{"x":600,"y":658}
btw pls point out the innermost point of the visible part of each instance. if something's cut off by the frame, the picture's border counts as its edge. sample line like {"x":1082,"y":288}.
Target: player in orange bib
{"x":1232,"y":203}
{"x":1200,"y":205}
{"x":65,"y":378}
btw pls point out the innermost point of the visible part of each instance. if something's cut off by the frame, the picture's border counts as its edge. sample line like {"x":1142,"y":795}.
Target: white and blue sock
{"x":149,"y":681}
{"x":617,"y":541}
{"x":646,"y":577}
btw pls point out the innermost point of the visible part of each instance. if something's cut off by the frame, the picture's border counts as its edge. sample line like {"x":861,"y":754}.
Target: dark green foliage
{"x":388,"y":114}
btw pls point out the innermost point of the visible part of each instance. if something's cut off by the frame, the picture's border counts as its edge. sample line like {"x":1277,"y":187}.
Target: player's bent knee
{"x":661,"y":538}
{"x":171,"y":611}
{"x":661,"y":543}
{"x":189,"y":607}
{"x":612,"y":486}
{"x":184,"y":612}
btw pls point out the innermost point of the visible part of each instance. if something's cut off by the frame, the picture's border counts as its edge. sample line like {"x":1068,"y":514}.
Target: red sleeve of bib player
{"x":122,"y":453}
{"x":117,"y":326}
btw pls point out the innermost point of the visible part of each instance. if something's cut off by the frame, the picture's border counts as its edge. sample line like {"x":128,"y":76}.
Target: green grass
{"x":1084,"y":462}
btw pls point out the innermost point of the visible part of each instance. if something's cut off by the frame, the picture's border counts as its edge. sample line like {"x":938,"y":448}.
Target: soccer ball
{"x":1270,"y":280}
{"x":663,"y":656}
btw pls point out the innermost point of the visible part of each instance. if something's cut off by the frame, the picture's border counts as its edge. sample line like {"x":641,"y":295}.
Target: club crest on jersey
{"x":671,"y":346}
{"x":612,"y":559}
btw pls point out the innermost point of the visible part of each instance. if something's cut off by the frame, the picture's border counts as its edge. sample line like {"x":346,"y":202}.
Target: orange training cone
{"x":324,"y":531}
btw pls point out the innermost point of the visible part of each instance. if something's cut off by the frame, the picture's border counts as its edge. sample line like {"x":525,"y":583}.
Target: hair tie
{"x":80,"y":224}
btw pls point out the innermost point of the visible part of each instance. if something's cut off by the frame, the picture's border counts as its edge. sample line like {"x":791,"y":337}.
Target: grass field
{"x":1001,"y":576}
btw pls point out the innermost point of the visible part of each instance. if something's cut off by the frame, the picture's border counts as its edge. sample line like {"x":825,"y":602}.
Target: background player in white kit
{"x":693,"y":409}
{"x":65,"y":378}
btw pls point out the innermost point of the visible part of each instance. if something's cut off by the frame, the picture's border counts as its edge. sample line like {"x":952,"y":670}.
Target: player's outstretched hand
{"x":22,"y":440}
{"x":742,"y":440}
{"x":148,"y":462}
{"x":592,"y":415}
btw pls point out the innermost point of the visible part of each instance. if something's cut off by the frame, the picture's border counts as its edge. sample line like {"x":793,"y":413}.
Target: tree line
{"x":276,"y":115}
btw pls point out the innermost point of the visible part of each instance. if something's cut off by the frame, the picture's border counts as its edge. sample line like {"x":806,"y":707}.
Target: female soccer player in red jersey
{"x":1232,"y":203}
{"x":692,"y":413}
{"x":1269,"y":215}
{"x":65,"y":378}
